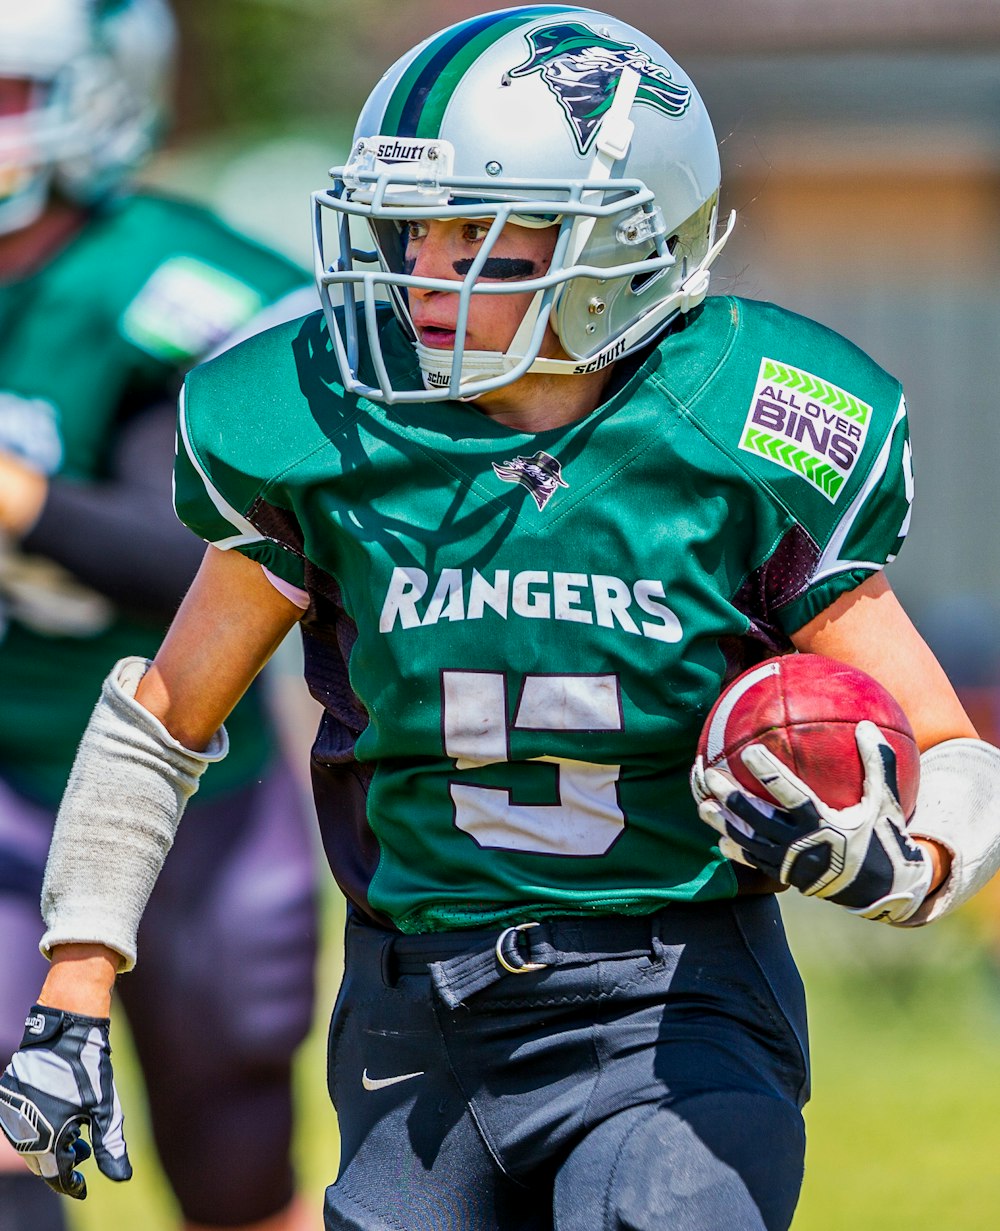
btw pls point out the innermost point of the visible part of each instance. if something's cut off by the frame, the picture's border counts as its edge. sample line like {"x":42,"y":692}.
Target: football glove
{"x":860,"y":857}
{"x":58,"y":1083}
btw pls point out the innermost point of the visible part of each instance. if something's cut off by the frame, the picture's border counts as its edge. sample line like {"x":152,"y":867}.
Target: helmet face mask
{"x":532,"y":116}
{"x":99,"y":74}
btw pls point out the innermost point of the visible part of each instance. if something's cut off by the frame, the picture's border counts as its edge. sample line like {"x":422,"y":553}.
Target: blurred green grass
{"x":903,"y":1129}
{"x":904,"y":1126}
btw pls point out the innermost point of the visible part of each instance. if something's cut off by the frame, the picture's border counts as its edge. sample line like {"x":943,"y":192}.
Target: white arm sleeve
{"x":958,"y":805}
{"x":128,"y":788}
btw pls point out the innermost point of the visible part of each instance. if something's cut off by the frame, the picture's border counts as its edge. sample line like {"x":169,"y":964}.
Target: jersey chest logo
{"x":582,"y":69}
{"x":806,"y":425}
{"x":541,"y":474}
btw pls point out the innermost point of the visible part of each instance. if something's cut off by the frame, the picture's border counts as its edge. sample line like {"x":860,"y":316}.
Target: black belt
{"x":463,"y":963}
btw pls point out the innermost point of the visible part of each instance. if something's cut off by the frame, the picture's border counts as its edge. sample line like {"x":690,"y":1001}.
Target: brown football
{"x":804,"y":708}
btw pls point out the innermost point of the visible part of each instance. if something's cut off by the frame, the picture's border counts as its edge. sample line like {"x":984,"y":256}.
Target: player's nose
{"x":431,"y":256}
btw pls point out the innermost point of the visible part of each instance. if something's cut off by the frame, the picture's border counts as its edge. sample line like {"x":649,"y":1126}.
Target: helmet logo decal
{"x":581,"y":68}
{"x":541,"y":474}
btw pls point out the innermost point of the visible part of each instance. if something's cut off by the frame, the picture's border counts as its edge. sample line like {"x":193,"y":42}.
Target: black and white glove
{"x":859,"y":857}
{"x":58,"y":1083}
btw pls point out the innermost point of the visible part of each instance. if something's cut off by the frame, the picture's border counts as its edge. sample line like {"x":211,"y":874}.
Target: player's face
{"x":446,"y":248}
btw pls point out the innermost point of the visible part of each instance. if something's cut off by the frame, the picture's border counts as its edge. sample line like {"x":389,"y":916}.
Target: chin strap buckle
{"x":693,"y":290}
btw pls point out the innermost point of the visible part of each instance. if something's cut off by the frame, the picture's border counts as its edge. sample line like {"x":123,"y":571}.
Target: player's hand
{"x":859,"y":857}
{"x":22,"y":494}
{"x":57,"y":1084}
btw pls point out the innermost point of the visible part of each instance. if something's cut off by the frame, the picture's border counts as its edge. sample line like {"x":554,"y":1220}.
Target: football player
{"x":106,"y":296}
{"x":533,"y":499}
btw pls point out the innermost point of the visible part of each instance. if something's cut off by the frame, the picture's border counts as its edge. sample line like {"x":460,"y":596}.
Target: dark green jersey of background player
{"x":147,"y":286}
{"x":534,"y":627}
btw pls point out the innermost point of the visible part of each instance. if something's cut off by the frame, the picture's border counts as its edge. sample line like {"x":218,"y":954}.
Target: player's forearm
{"x":121,"y":541}
{"x":81,"y":979}
{"x":120,"y":536}
{"x":958,"y":810}
{"x":124,"y":799}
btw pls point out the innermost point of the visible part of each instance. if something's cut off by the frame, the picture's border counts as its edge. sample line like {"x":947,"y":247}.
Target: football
{"x":804,"y":708}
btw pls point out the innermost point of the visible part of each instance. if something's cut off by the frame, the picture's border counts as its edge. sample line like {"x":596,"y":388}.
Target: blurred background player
{"x":106,"y":296}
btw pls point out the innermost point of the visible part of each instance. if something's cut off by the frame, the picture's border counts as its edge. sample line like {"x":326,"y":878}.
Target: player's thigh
{"x":25,"y":830}
{"x":427,"y":1166}
{"x":412,"y":1153}
{"x":721,"y":1159}
{"x":227,"y":946}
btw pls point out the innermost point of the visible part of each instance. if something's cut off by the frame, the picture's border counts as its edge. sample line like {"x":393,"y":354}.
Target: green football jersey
{"x":148,"y":286}
{"x":516,"y":638}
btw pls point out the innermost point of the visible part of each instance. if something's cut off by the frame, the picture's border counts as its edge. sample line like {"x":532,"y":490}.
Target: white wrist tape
{"x":958,"y":805}
{"x":126,"y":793}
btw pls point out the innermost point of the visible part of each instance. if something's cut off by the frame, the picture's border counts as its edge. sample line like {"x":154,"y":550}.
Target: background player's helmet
{"x":99,"y":75}
{"x":545,"y":115}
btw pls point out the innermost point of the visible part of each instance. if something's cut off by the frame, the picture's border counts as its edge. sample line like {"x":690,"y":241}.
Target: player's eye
{"x":475,"y":232}
{"x":414,"y":230}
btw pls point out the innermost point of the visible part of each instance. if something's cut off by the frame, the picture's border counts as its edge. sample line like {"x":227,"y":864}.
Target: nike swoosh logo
{"x":380,"y":1083}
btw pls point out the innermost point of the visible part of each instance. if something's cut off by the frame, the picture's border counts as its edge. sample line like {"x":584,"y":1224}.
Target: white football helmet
{"x":99,"y":72}
{"x":544,"y":115}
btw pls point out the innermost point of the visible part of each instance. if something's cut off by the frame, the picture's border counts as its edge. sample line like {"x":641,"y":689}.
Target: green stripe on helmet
{"x":418,"y":103}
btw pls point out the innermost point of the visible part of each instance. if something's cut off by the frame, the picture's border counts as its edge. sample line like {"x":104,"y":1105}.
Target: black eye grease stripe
{"x":499,"y":267}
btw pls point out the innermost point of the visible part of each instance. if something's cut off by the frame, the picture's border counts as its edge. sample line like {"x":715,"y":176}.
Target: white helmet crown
{"x":541,"y":115}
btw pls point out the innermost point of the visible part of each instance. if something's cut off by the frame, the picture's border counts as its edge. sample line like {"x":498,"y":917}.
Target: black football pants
{"x":650,"y":1076}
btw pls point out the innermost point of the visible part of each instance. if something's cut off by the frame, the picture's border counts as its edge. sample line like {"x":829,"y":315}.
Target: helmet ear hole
{"x":641,"y":282}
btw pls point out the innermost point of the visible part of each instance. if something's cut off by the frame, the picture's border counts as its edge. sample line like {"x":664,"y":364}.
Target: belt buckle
{"x":508,"y":938}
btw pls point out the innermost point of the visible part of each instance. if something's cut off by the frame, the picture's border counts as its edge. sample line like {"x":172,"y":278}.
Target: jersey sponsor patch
{"x":806,"y":425}
{"x":187,"y":307}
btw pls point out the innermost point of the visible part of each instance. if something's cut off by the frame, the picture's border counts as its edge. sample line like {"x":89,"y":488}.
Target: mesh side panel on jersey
{"x":783,"y":577}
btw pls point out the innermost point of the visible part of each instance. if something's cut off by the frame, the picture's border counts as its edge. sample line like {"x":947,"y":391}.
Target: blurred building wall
{"x":868,"y":186}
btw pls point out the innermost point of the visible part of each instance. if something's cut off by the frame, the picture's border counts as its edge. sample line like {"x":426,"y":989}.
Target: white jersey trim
{"x":831,"y":562}
{"x":248,"y":532}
